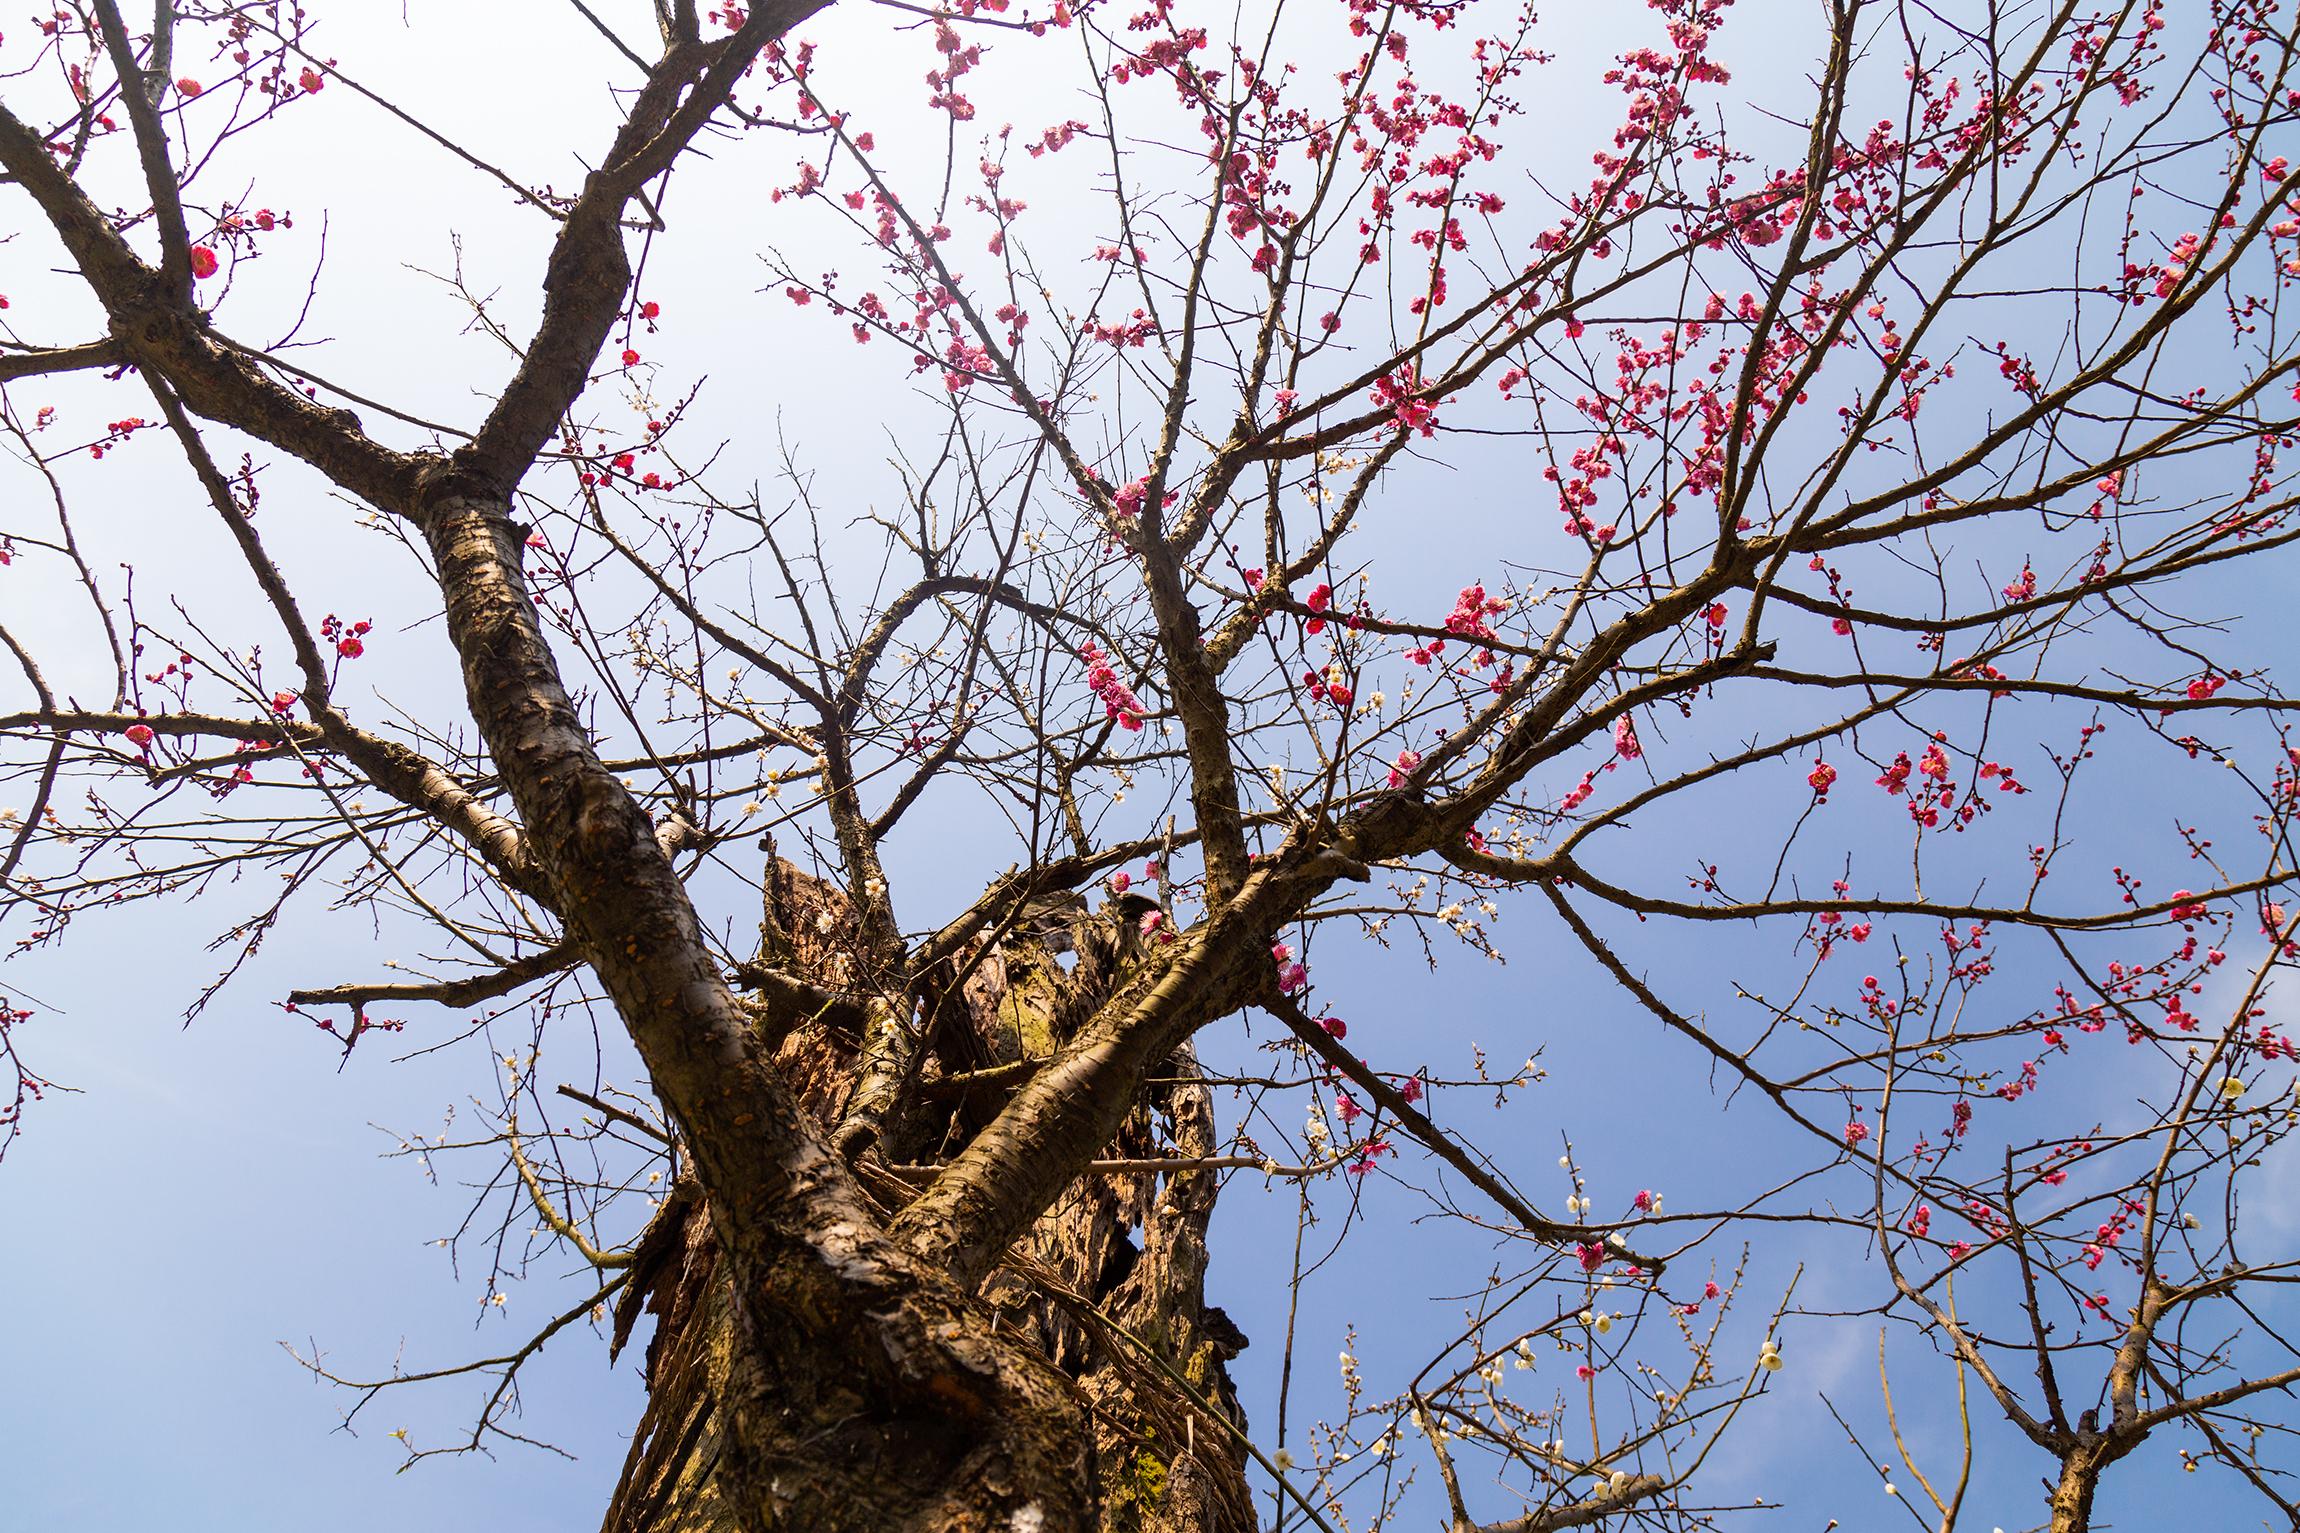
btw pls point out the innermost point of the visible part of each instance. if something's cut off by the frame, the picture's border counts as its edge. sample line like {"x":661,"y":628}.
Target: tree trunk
{"x":1109,"y":1286}
{"x":2072,"y":1495}
{"x":861,"y":1390}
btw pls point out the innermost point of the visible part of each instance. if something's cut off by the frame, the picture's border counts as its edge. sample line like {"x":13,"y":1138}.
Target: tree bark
{"x":861,"y":1387}
{"x":1108,"y":1285}
{"x":2072,"y":1494}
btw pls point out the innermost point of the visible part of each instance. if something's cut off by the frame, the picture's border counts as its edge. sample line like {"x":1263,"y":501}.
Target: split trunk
{"x":1108,"y":1288}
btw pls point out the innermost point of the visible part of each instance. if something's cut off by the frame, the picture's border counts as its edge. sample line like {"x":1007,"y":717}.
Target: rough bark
{"x":2072,"y":1494}
{"x":1079,"y":1290}
{"x":1158,"y":1467}
{"x":863,"y":1388}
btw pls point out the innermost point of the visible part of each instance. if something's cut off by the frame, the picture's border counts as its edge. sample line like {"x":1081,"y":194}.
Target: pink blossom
{"x":1118,"y":701}
{"x":1400,"y":394}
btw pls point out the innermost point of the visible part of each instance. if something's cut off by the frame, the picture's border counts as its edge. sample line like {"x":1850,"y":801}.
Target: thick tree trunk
{"x":860,"y":1389}
{"x":1121,"y":1320}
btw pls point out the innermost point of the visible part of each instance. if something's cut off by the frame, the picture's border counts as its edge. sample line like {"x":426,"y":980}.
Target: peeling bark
{"x":1159,"y":1460}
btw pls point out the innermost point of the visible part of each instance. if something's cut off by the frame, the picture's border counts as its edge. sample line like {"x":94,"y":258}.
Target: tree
{"x":1913,"y":423}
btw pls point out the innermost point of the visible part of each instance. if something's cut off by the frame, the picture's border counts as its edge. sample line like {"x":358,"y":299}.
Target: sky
{"x":212,"y":1194}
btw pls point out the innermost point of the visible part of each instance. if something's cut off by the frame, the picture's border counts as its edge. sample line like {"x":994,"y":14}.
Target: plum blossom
{"x":1117,"y":700}
{"x":1292,"y":975}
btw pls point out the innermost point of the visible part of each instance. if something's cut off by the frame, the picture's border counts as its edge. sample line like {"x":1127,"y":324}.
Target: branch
{"x":1056,"y":1121}
{"x":407,"y":775}
{"x":37,"y":361}
{"x":446,"y":992}
{"x":161,"y":328}
{"x":2215,"y":1400}
{"x":620,"y":1115}
{"x":1573,"y":873}
{"x":510,"y":1364}
{"x":140,"y":93}
{"x":1434,"y":1139}
{"x":793,"y":998}
{"x":559,"y":1224}
{"x":1581,"y":1513}
{"x":589,"y":270}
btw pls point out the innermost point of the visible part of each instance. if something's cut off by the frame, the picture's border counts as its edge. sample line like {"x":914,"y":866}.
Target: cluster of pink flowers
{"x":1400,"y":394}
{"x":1471,"y":609}
{"x":1329,"y":688}
{"x":1120,"y":702}
{"x":349,"y":639}
{"x":1321,"y":598}
{"x":1374,"y":1149}
{"x":1293,"y":975}
{"x":1626,"y":747}
{"x":1826,"y":926}
{"x":1134,"y":330}
{"x":966,"y":361}
{"x":1056,"y":138}
{"x":2176,"y":263}
{"x":117,"y":431}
